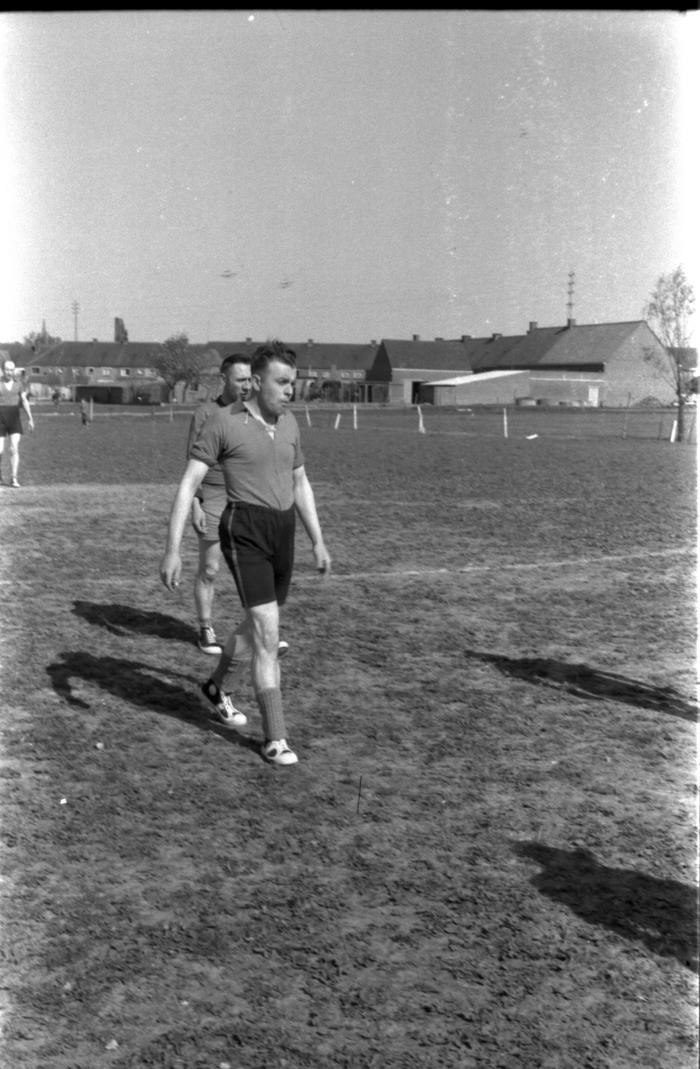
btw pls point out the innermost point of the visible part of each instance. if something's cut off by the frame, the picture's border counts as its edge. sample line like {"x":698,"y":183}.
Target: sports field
{"x":486,"y":857}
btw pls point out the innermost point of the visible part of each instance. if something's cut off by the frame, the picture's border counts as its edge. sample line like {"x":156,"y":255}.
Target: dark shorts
{"x":10,"y":421}
{"x":258,"y":546}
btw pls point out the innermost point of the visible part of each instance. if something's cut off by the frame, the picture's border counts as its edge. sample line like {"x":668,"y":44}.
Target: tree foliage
{"x":40,"y":340}
{"x":669,"y":311}
{"x":176,"y":361}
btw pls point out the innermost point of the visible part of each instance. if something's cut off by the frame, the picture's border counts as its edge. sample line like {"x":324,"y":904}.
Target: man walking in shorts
{"x":258,"y":446}
{"x":13,"y":401}
{"x":210,"y":500}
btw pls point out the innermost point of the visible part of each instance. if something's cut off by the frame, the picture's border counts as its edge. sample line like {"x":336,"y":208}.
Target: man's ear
{"x":256,"y":381}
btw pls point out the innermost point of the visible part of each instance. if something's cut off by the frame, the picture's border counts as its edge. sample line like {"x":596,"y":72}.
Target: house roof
{"x":426,"y":355}
{"x":570,"y":346}
{"x":323,"y":356}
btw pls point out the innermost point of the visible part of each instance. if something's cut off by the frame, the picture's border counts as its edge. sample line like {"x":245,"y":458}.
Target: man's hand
{"x":170,"y":569}
{"x":322,"y":558}
{"x":199,"y":519}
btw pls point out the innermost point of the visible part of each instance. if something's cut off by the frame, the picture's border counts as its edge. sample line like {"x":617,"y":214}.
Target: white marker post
{"x":674,"y":429}
{"x":421,"y":425}
{"x":308,"y":417}
{"x":354,"y":417}
{"x":91,"y":411}
{"x":505,"y":423}
{"x":337,"y":422}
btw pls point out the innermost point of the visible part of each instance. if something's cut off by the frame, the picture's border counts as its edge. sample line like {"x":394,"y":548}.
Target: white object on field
{"x":354,"y":417}
{"x":531,"y":436}
{"x":308,"y":417}
{"x":337,"y":422}
{"x":421,"y":425}
{"x":505,"y":423}
{"x":674,"y":429}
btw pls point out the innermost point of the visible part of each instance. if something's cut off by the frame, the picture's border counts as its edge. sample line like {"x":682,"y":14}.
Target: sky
{"x":342,"y":175}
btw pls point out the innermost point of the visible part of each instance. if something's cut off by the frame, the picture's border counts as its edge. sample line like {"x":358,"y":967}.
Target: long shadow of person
{"x":661,"y":914}
{"x":124,"y":619}
{"x":139,"y":684}
{"x":585,"y":682}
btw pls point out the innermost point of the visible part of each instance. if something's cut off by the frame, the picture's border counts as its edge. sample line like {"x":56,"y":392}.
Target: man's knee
{"x":209,"y":563}
{"x":264,"y":627}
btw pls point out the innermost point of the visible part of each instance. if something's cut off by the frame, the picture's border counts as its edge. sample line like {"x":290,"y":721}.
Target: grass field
{"x":486,"y":857}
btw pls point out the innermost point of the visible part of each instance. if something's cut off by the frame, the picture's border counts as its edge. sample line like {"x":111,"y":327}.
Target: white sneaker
{"x":282,"y":648}
{"x":14,"y":482}
{"x":224,"y":709}
{"x":277,"y":752}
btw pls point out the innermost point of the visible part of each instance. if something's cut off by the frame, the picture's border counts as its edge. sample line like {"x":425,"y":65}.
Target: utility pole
{"x":570,"y":302}
{"x":76,"y":308}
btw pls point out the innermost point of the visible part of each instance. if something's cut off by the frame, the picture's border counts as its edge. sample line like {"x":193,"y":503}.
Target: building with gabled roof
{"x":613,"y":364}
{"x":401,"y":367}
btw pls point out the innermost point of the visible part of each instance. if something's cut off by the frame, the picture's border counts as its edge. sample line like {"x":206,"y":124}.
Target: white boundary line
{"x":417,"y":573}
{"x":573,"y":562}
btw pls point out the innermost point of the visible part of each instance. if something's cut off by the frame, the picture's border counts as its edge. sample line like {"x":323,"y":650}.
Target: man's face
{"x":237,"y":382}
{"x":8,"y":370}
{"x":274,"y":388}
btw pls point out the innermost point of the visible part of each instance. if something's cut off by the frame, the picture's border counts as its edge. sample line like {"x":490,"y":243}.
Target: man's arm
{"x":171,"y":565}
{"x":24,"y":401}
{"x":305,"y":503}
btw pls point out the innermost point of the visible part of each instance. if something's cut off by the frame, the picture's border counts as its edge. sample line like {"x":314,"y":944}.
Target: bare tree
{"x":669,"y":311}
{"x":177,"y":362}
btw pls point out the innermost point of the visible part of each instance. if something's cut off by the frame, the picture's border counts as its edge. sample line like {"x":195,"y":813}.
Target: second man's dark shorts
{"x":258,"y":546}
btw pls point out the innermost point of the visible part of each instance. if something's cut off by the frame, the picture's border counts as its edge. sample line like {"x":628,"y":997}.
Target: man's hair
{"x":272,"y":350}
{"x":234,"y":358}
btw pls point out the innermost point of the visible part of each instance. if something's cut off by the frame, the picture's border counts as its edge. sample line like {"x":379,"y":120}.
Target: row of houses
{"x":610,"y":364}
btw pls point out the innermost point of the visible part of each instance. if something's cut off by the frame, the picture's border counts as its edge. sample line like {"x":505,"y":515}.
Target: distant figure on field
{"x":210,"y":500}
{"x":13,"y":401}
{"x":257,"y":443}
{"x":84,"y":412}
{"x":56,"y":398}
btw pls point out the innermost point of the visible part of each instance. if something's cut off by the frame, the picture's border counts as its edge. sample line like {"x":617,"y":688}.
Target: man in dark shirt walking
{"x":258,"y":446}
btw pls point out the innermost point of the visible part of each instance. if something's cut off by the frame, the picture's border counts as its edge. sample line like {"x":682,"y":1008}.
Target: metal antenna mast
{"x":570,"y":302}
{"x":76,"y":308}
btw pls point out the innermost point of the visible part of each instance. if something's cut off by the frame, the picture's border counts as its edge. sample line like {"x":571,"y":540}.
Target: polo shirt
{"x":257,"y":467}
{"x":215,"y":476}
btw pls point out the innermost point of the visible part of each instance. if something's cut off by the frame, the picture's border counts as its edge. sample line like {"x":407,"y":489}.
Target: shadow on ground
{"x":585,"y":682}
{"x":140,"y":685}
{"x":661,"y":914}
{"x":125,"y":619}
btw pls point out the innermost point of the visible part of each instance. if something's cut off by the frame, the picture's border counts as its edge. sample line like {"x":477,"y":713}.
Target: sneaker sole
{"x":285,"y":760}
{"x":215,"y":651}
{"x":238,"y":721}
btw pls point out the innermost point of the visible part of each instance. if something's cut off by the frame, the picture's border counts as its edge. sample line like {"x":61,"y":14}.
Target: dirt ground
{"x":486,"y":857}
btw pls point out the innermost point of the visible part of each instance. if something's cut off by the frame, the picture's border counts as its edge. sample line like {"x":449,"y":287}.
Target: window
{"x":36,"y":371}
